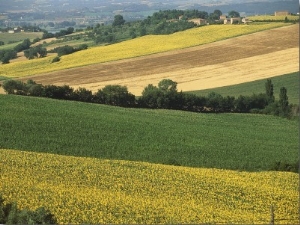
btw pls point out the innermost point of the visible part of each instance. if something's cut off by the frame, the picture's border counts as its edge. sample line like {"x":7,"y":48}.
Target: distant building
{"x":11,"y":31}
{"x":223,"y":17}
{"x":235,"y":20}
{"x":281,"y":13}
{"x":198,"y":21}
{"x":246,"y":20}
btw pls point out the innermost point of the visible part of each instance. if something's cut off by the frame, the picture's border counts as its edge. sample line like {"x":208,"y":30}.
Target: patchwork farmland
{"x":236,"y":60}
{"x":91,"y":163}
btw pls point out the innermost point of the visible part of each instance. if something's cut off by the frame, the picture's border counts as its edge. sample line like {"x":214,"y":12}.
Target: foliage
{"x":13,"y":86}
{"x":283,"y":101}
{"x":233,"y":14}
{"x":270,"y":90}
{"x":35,"y":52}
{"x":80,"y":190}
{"x":66,"y":50}
{"x":165,"y":96}
{"x":10,"y":214}
{"x":23,"y":46}
{"x":118,"y":20}
{"x":7,"y":55}
{"x":116,"y":95}
{"x":229,"y":141}
{"x":56,"y":59}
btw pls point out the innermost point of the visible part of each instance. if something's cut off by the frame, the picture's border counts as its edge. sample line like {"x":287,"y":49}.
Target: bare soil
{"x":237,"y":60}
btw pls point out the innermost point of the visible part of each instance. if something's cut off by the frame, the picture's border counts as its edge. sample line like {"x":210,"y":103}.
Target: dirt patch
{"x":2,"y":92}
{"x":236,"y":60}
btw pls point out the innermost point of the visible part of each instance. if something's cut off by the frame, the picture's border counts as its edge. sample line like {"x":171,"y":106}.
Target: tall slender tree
{"x":270,"y":91}
{"x":283,"y":101}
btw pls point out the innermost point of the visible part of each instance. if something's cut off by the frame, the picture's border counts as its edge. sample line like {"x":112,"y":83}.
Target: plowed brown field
{"x":232,"y":61}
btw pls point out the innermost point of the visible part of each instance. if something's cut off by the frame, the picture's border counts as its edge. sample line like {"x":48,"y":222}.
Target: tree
{"x":233,"y":14}
{"x":269,"y":91}
{"x":167,"y":85}
{"x":82,"y":94}
{"x":5,"y":59}
{"x":283,"y":101}
{"x":214,"y":102}
{"x":23,"y":46}
{"x":6,"y":55}
{"x":118,"y":20}
{"x":149,"y":96}
{"x":13,"y":86}
{"x":30,"y":53}
{"x":218,"y":13}
{"x":116,"y":95}
{"x":169,"y":97}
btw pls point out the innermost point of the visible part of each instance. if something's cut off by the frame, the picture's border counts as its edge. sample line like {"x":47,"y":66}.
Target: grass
{"x":17,"y":37}
{"x":290,"y":81}
{"x":229,"y":141}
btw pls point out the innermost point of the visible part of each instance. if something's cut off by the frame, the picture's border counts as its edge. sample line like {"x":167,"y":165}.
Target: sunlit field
{"x":86,"y":190}
{"x":273,"y":18}
{"x":146,"y":45}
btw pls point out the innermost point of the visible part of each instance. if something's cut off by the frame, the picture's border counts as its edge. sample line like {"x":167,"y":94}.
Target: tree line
{"x":164,"y":96}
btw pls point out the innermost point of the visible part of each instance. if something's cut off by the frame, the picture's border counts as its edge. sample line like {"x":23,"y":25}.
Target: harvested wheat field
{"x":237,"y":60}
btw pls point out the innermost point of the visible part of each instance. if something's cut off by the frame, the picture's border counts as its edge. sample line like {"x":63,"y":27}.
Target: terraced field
{"x":236,"y":60}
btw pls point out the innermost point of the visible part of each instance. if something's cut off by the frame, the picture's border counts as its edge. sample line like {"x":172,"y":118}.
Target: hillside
{"x":289,"y":81}
{"x":230,"y":141}
{"x":96,"y":191}
{"x":235,"y":60}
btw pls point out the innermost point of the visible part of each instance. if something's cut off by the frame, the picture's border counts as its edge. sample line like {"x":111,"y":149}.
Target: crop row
{"x":145,"y":45}
{"x":87,"y":190}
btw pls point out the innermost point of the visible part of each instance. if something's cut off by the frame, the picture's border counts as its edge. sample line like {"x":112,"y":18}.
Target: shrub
{"x":56,"y":59}
{"x":10,"y":214}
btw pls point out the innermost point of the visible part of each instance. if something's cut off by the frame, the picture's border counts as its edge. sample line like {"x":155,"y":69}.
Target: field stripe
{"x":211,"y":76}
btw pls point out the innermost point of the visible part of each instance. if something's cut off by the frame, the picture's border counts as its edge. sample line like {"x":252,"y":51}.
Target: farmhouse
{"x":198,"y":21}
{"x":281,"y":13}
{"x":246,"y":20}
{"x":223,"y":18}
{"x":232,"y":20}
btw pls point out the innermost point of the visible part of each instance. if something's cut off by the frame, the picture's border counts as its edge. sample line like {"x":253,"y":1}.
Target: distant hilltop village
{"x":17,"y":21}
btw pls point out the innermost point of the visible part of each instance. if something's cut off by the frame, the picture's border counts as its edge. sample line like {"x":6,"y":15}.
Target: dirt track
{"x":237,"y":60}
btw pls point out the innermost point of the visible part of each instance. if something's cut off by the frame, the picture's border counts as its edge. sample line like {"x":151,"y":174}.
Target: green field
{"x":229,"y":141}
{"x":6,"y":37}
{"x":289,"y":81}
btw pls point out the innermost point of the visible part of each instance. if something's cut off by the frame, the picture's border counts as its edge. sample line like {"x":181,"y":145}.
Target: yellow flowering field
{"x":146,"y":45}
{"x":273,"y":18}
{"x":87,"y":190}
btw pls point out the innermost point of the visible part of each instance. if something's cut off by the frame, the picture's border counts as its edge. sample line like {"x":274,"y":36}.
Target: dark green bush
{"x":10,"y":214}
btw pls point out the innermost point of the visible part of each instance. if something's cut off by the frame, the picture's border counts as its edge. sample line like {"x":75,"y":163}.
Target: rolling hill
{"x":227,"y":141}
{"x":91,"y":163}
{"x":236,"y":60}
{"x":81,"y":190}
